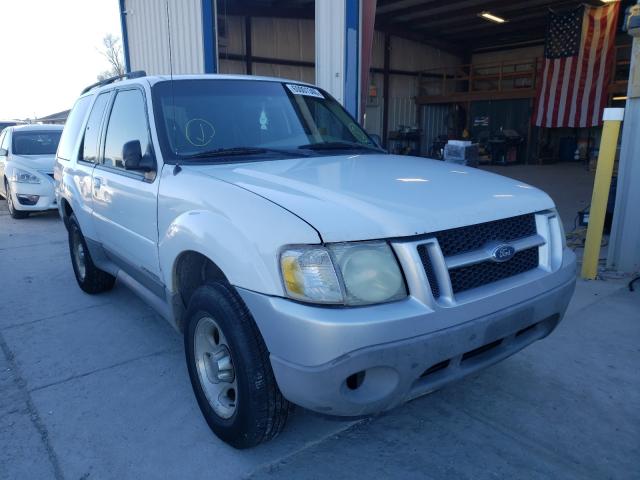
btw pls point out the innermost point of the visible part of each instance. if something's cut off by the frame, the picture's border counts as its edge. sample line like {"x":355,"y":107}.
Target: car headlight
{"x":309,"y":275}
{"x":22,"y":176}
{"x":346,"y":273}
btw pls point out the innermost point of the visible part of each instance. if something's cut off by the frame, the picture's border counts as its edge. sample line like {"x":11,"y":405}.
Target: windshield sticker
{"x":264,"y":120}
{"x":306,"y":91}
{"x":199,"y":132}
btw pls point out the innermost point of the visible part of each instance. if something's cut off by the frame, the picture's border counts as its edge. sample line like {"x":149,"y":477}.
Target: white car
{"x":27,"y":156}
{"x":301,"y":262}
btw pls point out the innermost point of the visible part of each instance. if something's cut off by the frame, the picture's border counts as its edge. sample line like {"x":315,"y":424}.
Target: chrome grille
{"x":465,"y":251}
{"x":478,"y":274}
{"x":428,"y":269}
{"x":474,"y":237}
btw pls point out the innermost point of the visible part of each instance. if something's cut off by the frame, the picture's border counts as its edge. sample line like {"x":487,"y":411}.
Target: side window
{"x":72,"y":128}
{"x":5,"y":140}
{"x":2,"y":135}
{"x":127,"y":123}
{"x":89,"y":152}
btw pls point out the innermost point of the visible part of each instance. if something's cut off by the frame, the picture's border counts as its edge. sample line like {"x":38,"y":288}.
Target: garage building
{"x":420,"y":73}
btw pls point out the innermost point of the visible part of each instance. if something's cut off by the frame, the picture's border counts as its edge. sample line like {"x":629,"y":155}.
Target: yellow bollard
{"x":612,"y":119}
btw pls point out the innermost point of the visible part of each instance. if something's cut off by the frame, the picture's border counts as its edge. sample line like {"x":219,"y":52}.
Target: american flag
{"x":572,"y":84}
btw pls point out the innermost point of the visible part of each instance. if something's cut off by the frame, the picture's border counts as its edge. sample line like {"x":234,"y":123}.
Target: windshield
{"x":35,"y":143}
{"x":204,"y":120}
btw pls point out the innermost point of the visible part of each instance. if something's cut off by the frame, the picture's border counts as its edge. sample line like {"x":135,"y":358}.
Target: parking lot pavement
{"x":96,"y":387}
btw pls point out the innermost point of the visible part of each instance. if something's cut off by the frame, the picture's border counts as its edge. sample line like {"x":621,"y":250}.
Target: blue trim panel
{"x":209,"y":33}
{"x":125,"y":36}
{"x":352,"y":56}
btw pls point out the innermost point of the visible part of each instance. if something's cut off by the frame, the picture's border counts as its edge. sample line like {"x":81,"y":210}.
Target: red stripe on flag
{"x":608,"y":53}
{"x":542,"y":95}
{"x":597,"y":45}
{"x":571,"y":80}
{"x":547,"y":97}
{"x":583,"y":69}
{"x":553,"y":85}
{"x":558,"y":93}
{"x":573,"y":103}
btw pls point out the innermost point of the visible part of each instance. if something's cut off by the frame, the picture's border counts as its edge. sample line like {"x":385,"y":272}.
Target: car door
{"x":125,"y":200}
{"x":4,"y":155}
{"x":88,"y":156}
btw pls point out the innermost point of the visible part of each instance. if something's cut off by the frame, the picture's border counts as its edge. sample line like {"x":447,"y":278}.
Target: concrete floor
{"x":96,"y":387}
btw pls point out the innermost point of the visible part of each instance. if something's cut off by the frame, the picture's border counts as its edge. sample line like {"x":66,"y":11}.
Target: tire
{"x":17,"y":214}
{"x":89,"y":277}
{"x":219,"y":333}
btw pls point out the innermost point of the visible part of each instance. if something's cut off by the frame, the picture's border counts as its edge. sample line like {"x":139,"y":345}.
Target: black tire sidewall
{"x":95,"y":280}
{"x":74,"y":229}
{"x":219,"y":302}
{"x":11,"y":206}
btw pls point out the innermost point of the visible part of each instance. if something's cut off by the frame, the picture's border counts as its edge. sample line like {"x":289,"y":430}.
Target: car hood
{"x":42,"y":163}
{"x":359,"y":197}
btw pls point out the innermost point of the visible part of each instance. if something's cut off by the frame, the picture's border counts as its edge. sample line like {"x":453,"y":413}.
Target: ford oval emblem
{"x":503,"y":253}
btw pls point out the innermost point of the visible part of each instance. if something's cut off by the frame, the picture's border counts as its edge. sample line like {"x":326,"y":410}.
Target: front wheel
{"x":230,"y":370}
{"x":17,"y":214}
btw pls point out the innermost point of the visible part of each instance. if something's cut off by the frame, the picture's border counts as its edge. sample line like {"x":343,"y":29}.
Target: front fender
{"x":239,"y":231}
{"x":235,"y":255}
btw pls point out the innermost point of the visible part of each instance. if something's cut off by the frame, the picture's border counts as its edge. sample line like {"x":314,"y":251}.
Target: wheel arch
{"x":66,"y":210}
{"x":191,"y":270}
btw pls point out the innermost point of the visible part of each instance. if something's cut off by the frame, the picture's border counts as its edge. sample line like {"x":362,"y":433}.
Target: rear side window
{"x":72,"y":128}
{"x":89,"y":152}
{"x":35,"y":143}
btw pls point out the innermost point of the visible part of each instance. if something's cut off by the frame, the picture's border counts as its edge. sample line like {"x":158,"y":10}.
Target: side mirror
{"x":376,"y":138}
{"x":3,"y":152}
{"x":132,"y":157}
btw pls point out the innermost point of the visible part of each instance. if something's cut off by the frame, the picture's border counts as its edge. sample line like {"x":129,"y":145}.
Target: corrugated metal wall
{"x":408,"y":56}
{"x":292,"y":39}
{"x":281,"y":38}
{"x":147,"y":30}
{"x":435,"y":119}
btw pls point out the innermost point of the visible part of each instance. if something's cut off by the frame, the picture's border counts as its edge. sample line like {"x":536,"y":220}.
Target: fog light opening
{"x":526,"y":330}
{"x":355,"y":381}
{"x":27,"y":199}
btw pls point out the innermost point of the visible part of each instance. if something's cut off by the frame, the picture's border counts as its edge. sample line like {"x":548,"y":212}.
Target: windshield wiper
{"x":339,"y":146}
{"x":235,"y":151}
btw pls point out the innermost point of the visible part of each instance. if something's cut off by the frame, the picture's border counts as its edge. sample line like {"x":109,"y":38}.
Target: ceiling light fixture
{"x":619,"y":98}
{"x":491,"y":17}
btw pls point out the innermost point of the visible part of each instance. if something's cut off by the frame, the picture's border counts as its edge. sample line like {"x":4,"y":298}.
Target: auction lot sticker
{"x":302,"y":90}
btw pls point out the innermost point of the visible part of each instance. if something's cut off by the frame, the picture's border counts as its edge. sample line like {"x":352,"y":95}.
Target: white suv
{"x":27,"y":155}
{"x":301,"y":262}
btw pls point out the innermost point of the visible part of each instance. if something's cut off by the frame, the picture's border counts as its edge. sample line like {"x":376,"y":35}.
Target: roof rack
{"x":107,"y":81}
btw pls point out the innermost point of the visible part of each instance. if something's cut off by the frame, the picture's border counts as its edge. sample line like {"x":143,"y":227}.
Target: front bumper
{"x":356,"y":361}
{"x":44,"y":190}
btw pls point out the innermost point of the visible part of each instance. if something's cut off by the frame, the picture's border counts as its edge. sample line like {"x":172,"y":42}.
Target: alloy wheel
{"x":79,"y":255}
{"x":214,"y":365}
{"x":7,"y":190}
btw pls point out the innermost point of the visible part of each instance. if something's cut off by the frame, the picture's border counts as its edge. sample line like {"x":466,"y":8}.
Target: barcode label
{"x":302,"y":90}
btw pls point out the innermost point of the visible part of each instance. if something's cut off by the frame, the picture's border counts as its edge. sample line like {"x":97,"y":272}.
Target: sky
{"x":50,"y":52}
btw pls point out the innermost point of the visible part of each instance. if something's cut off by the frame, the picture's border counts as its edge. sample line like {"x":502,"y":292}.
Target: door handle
{"x":97,"y":183}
